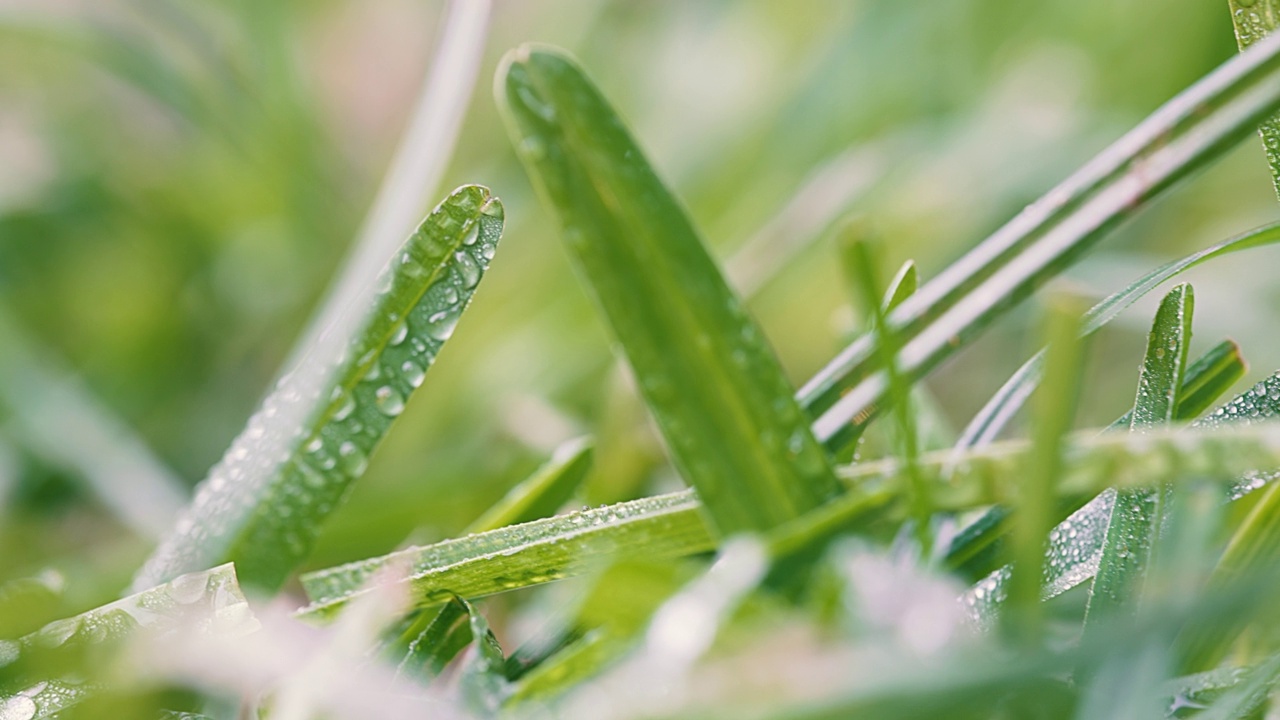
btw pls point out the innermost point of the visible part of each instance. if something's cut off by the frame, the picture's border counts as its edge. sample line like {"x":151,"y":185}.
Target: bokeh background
{"x":180,"y":180}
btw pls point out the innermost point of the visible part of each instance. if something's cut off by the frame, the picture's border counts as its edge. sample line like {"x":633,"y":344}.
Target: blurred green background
{"x":179,"y":181}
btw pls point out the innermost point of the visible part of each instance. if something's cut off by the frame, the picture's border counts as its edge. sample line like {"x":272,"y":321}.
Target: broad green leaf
{"x":262,"y":506}
{"x":947,"y":312}
{"x":543,"y":492}
{"x":1000,"y":409}
{"x":703,"y":367}
{"x":209,"y":599}
{"x":524,"y":555}
{"x":1254,"y":20}
{"x":1055,"y":413}
{"x":1136,"y":514}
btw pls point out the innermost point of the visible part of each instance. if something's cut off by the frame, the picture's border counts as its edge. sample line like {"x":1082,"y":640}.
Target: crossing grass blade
{"x":706,"y":372}
{"x":992,"y":418}
{"x":1076,"y":543}
{"x":1211,"y":375}
{"x":1187,"y":132}
{"x":262,"y":506}
{"x":1136,"y":514}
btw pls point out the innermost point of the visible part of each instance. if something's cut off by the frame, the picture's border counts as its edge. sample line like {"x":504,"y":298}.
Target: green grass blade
{"x":1205,"y":380}
{"x":431,"y":639}
{"x":524,"y":555}
{"x":1055,"y":413}
{"x":1254,"y":20}
{"x":543,"y":492}
{"x":211,"y":599}
{"x":720,"y":399}
{"x":1187,"y":132}
{"x":1001,"y":407}
{"x":263,"y":504}
{"x":1244,"y":700}
{"x":1136,"y":515}
{"x":483,"y":685}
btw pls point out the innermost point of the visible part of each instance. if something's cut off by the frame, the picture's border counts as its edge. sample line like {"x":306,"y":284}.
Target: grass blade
{"x":210,"y":599}
{"x":543,"y":492}
{"x":419,"y":161}
{"x":1182,"y":135}
{"x":1009,"y":398}
{"x":263,"y":504}
{"x":1136,"y":515}
{"x":1254,"y":20}
{"x":1055,"y":412}
{"x":712,"y":383}
{"x":59,"y":419}
{"x":524,"y":555}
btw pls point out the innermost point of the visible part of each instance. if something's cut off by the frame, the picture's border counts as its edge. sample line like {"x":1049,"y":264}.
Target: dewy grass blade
{"x":1075,"y":545}
{"x":705,"y":370}
{"x":263,"y":504}
{"x":210,"y":599}
{"x":1055,"y":413}
{"x":992,"y":418}
{"x":1187,"y":132}
{"x":524,"y":555}
{"x":1136,"y":514}
{"x":1254,"y":20}
{"x":1205,"y":380}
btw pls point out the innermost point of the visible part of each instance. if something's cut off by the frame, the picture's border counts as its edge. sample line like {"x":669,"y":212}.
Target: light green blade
{"x":262,"y":506}
{"x":1136,"y":514}
{"x":707,"y":374}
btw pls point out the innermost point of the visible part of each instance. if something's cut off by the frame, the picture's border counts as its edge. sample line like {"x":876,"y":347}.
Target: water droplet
{"x":468,"y":270}
{"x":18,"y":707}
{"x":472,"y":233}
{"x":389,"y":402}
{"x":493,"y":208}
{"x":353,"y":459}
{"x":413,"y":373}
{"x":400,"y":332}
{"x":535,"y":103}
{"x":533,"y":148}
{"x":316,"y":445}
{"x":344,"y":410}
{"x":442,"y":324}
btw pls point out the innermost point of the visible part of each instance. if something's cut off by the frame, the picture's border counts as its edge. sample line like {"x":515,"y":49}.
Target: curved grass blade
{"x":1185,"y":133}
{"x":993,"y":416}
{"x":263,"y":504}
{"x":1254,"y":20}
{"x":44,"y":673}
{"x":720,"y":399}
{"x":543,"y":492}
{"x":431,"y":640}
{"x":524,"y":555}
{"x":1136,"y":514}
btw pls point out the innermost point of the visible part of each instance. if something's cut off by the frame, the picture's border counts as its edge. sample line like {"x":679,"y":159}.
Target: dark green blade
{"x":703,"y":367}
{"x":262,"y":506}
